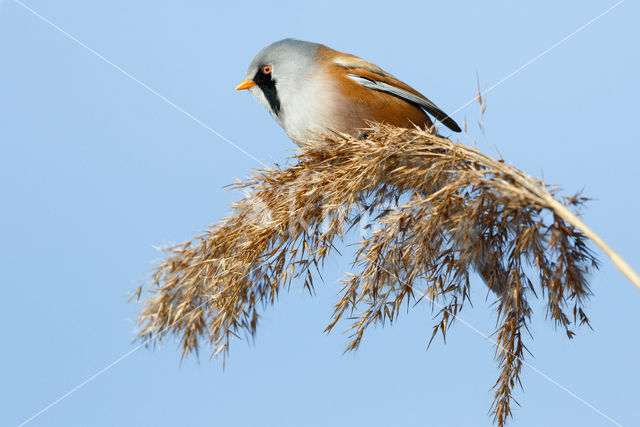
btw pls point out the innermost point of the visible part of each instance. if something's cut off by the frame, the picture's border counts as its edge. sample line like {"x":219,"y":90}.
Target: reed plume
{"x":440,"y":211}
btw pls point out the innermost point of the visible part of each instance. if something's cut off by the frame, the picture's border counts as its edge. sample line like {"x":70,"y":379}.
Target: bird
{"x":311,"y":89}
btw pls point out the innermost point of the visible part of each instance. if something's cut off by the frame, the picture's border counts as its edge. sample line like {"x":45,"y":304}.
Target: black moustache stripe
{"x":268,"y":86}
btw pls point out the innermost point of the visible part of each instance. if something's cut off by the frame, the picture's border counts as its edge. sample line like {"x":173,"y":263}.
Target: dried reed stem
{"x":438,"y":211}
{"x":617,"y":260}
{"x":562,"y":211}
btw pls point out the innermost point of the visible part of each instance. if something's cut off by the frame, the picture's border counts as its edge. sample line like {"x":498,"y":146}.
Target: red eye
{"x":266,"y":69}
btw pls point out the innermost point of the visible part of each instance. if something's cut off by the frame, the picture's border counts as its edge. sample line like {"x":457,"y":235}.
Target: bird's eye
{"x":267,"y":69}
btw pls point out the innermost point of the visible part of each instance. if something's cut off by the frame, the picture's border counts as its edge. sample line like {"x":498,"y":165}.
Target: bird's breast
{"x":309,"y":108}
{"x":327,"y":100}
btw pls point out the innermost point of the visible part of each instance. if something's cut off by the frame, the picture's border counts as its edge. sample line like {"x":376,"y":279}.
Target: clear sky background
{"x":95,"y":171}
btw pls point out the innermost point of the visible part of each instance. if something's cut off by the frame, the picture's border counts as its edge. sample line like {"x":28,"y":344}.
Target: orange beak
{"x":245,"y":84}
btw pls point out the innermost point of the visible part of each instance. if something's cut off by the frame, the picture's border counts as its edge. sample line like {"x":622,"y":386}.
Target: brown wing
{"x":371,"y":76}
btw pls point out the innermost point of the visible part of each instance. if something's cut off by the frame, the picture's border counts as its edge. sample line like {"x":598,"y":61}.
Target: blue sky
{"x":96,"y":171}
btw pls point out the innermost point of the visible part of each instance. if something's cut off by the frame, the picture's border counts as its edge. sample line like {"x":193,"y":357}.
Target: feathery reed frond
{"x":441,"y":210}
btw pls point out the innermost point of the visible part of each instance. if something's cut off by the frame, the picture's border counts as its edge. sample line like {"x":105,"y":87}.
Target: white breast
{"x":308,"y":107}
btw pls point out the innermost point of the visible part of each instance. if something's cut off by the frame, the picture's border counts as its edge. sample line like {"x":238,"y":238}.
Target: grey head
{"x":279,"y":72}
